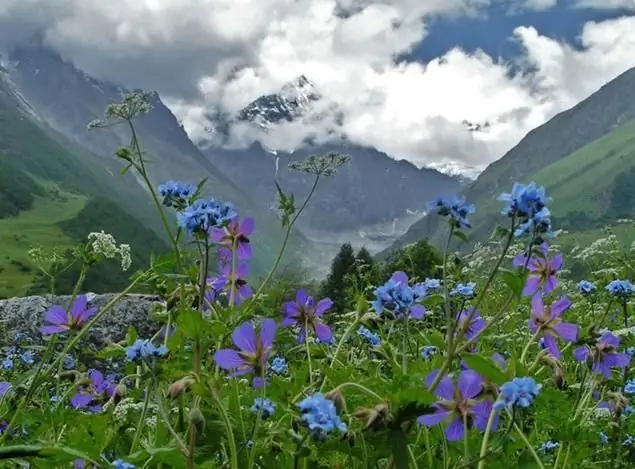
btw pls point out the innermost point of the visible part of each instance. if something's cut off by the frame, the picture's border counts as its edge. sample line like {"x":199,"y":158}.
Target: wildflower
{"x":369,"y":336}
{"x":305,"y":313}
{"x":398,"y":298}
{"x":629,"y":440}
{"x":428,"y":351}
{"x":475,"y":325}
{"x":253,"y":352}
{"x":176,"y":193}
{"x":4,"y":387}
{"x":546,"y":320}
{"x":27,"y":357}
{"x":603,"y":355}
{"x":549,"y":446}
{"x":215,"y":285}
{"x":7,"y":363}
{"x":629,"y":388}
{"x":79,"y":464}
{"x":604,"y":439}
{"x":98,"y":389}
{"x":459,"y":404}
{"x":279,"y":366}
{"x":432,"y":284}
{"x":103,"y":245}
{"x":236,"y":284}
{"x":542,"y":270}
{"x":61,"y":321}
{"x":528,"y":203}
{"x":519,"y":392}
{"x":143,"y":349}
{"x":202,"y":215}
{"x":454,"y":207}
{"x":235,"y":235}
{"x":263,"y":406}
{"x":320,"y":416}
{"x":466,"y":290}
{"x":119,"y":464}
{"x":630,"y":351}
{"x":620,"y":288}
{"x":586,"y":288}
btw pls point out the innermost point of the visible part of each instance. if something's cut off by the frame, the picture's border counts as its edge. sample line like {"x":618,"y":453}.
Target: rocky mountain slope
{"x":584,"y":156}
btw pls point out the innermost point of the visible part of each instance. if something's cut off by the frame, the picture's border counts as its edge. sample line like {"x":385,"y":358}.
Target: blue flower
{"x":432,"y":284}
{"x":603,"y":438}
{"x":27,"y":357}
{"x":586,"y":288}
{"x":399,"y":298}
{"x":7,"y":363}
{"x":119,"y":464}
{"x":176,"y":194}
{"x":629,"y":388}
{"x":320,"y":416}
{"x":369,"y":336}
{"x":202,"y":215}
{"x":528,"y":203}
{"x":428,"y":351}
{"x":620,"y":288}
{"x":629,"y":440}
{"x":519,"y":392}
{"x":144,"y":349}
{"x":268,"y":407}
{"x":466,"y":290}
{"x":548,"y":446}
{"x":454,"y":207}
{"x":279,"y":366}
{"x":630,"y":351}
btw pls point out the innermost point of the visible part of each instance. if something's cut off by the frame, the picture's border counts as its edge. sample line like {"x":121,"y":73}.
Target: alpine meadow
{"x":166,"y":304}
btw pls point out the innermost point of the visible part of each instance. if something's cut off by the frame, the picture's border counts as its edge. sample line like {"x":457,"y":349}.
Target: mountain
{"x":66,"y":99}
{"x":371,"y":189}
{"x":584,"y":156}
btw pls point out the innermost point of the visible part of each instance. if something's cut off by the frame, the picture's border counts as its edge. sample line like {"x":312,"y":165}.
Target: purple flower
{"x":237,"y":287}
{"x":215,"y":286}
{"x":61,"y":321}
{"x":304,"y":312}
{"x":253,"y":352}
{"x":542,"y":270}
{"x":603,"y":355}
{"x":79,"y":464}
{"x":546,"y":320}
{"x":98,"y":389}
{"x":474,"y":327}
{"x":459,"y":403}
{"x":4,"y":387}
{"x":235,"y":234}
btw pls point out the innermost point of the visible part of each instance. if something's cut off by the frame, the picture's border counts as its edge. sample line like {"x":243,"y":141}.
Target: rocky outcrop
{"x":26,"y":315}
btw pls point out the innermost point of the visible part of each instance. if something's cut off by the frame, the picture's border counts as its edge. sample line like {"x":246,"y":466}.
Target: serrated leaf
{"x":191,"y":324}
{"x":485,"y":367}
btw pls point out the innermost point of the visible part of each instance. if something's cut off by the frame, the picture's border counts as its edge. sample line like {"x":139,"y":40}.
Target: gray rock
{"x":26,"y":315}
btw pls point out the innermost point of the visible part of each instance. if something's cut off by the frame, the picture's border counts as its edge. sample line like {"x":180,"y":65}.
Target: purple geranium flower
{"x":61,"y":321}
{"x":305,"y":313}
{"x":100,"y":388}
{"x":237,"y":287}
{"x":459,"y":403}
{"x":476,"y":322}
{"x":253,"y":352}
{"x":546,"y":320}
{"x":603,"y":355}
{"x":235,"y":233}
{"x":542,"y":270}
{"x":4,"y":387}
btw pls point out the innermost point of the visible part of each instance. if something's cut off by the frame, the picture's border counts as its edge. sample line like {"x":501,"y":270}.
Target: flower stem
{"x":485,"y":444}
{"x":530,"y":448}
{"x":361,"y":388}
{"x":142,"y":417}
{"x":233,"y":453}
{"x":308,"y":350}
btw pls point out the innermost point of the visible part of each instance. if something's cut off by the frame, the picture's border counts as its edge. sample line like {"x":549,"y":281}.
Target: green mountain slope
{"x":583,"y":156}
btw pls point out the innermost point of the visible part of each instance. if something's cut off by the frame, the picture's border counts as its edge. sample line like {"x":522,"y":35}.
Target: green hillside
{"x":584,"y":156}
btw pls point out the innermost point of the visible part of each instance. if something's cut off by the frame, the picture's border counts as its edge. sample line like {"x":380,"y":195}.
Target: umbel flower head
{"x":305,"y":313}
{"x":252,"y":354}
{"x":59,"y":320}
{"x":458,"y":404}
{"x":603,"y":355}
{"x":398,"y":298}
{"x":454,"y":207}
{"x":547,"y":320}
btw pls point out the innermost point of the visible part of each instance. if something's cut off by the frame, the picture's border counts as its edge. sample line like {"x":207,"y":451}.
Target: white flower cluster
{"x":128,"y":408}
{"x":599,"y":247}
{"x":104,"y":244}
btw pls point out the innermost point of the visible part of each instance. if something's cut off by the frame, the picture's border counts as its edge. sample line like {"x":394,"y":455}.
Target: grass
{"x":35,"y":227}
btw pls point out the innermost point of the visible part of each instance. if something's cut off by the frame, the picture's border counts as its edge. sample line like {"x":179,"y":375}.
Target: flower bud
{"x":120,"y":391}
{"x":179,"y":387}
{"x":196,"y":418}
{"x":375,"y":417}
{"x":338,"y":399}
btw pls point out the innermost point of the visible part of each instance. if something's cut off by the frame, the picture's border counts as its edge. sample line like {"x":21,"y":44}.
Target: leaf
{"x":131,"y":335}
{"x":459,"y":234}
{"x":399,"y":447}
{"x":437,"y":339}
{"x":485,"y":367}
{"x":111,"y":350}
{"x":191,"y":324}
{"x":500,"y":233}
{"x":513,"y":281}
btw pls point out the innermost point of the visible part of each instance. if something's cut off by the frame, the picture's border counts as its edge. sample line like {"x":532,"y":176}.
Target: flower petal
{"x":617,"y":360}
{"x":228,"y":359}
{"x":482,"y":411}
{"x":400,"y":277}
{"x":56,"y":315}
{"x":435,"y":418}
{"x":301,"y":297}
{"x":244,"y":337}
{"x":243,"y":250}
{"x":418,"y":311}
{"x":557,"y":261}
{"x":567,"y":331}
{"x":81,"y":400}
{"x":537,"y":305}
{"x":267,"y":333}
{"x":48,"y":330}
{"x":470,"y":384}
{"x":445,"y":389}
{"x":323,"y":332}
{"x":455,"y":431}
{"x":552,"y":346}
{"x":247,"y":226}
{"x":323,"y":306}
{"x":560,"y":306}
{"x":551,"y":282}
{"x":532,"y":285}
{"x":581,"y":353}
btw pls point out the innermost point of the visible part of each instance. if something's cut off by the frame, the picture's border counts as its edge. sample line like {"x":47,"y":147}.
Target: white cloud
{"x":606,"y":4}
{"x":539,"y":5}
{"x":221,"y":54}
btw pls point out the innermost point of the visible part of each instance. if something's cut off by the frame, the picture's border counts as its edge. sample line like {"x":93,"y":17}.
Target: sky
{"x":404,"y":74}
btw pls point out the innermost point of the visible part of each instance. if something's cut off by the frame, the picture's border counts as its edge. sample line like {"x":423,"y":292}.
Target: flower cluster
{"x":621,"y":289}
{"x":305,"y":313}
{"x":176,"y":194}
{"x":400,"y":299}
{"x":454,"y":207}
{"x":528,"y":204}
{"x":371,"y":337}
{"x":203,"y":214}
{"x":320,"y":416}
{"x":144,"y":349}
{"x":519,"y":392}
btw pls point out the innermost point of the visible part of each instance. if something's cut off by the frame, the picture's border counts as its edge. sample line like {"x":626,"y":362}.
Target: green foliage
{"x":419,"y":260}
{"x":17,"y":190}
{"x":336,"y":283}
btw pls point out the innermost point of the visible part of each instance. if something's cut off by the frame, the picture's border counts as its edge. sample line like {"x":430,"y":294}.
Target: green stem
{"x":485,"y":444}
{"x":404,"y":350}
{"x":228,"y":428}
{"x":337,"y":350}
{"x":361,"y":388}
{"x":308,"y":350}
{"x":252,"y":453}
{"x":142,"y":418}
{"x":530,"y":448}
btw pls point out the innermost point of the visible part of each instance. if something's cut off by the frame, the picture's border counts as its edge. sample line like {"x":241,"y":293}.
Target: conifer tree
{"x":336,"y":284}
